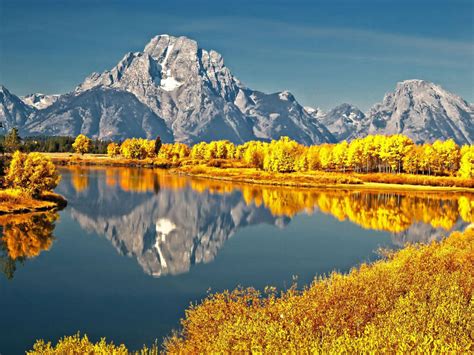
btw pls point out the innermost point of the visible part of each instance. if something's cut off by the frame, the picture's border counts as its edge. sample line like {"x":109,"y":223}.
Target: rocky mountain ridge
{"x":182,"y":92}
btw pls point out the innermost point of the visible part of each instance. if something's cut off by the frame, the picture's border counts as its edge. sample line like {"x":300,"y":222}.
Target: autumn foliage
{"x":26,"y":236}
{"x":82,"y":144}
{"x":372,"y":154}
{"x":419,"y":300}
{"x":33,"y":173}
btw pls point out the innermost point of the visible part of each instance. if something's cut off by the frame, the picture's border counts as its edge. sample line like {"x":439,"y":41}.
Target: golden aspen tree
{"x":394,"y":149}
{"x":412,"y":161}
{"x":133,"y":148}
{"x":340,"y":155}
{"x":312,"y":154}
{"x":149,"y":147}
{"x":113,"y":150}
{"x":199,"y":150}
{"x":466,"y":168}
{"x":326,"y":156}
{"x":448,"y":155}
{"x":33,"y":173}
{"x":82,"y":144}
{"x":282,"y":155}
{"x":254,"y":154}
{"x":355,"y":155}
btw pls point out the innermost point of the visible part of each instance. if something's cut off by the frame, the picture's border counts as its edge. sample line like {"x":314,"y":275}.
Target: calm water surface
{"x":134,"y":247}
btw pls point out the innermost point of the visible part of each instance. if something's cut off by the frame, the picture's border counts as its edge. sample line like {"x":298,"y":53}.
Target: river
{"x":135,"y":247}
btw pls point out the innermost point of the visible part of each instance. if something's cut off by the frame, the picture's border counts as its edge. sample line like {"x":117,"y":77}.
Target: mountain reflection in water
{"x":169,"y":222}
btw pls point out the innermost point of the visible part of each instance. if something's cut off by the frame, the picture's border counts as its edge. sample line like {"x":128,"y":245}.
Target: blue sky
{"x":324,"y":52}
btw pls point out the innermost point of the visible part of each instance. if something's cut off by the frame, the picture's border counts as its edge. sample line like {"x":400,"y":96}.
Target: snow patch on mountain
{"x":39,"y":101}
{"x":345,"y":121}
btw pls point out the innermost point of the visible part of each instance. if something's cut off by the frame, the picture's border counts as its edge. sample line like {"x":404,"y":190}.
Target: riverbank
{"x":417,"y":299}
{"x":14,"y":201}
{"x":230,"y":171}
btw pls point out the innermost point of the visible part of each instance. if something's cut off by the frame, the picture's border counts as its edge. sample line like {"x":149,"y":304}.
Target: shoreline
{"x":362,"y":186}
{"x":316,"y":179}
{"x":48,"y":202}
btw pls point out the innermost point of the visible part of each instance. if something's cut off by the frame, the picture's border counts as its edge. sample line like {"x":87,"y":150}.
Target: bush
{"x":77,"y":345}
{"x":113,"y":150}
{"x":33,"y":173}
{"x":82,"y":144}
{"x":419,"y":300}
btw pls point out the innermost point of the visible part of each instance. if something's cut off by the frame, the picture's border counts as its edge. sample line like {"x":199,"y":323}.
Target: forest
{"x":374,"y":153}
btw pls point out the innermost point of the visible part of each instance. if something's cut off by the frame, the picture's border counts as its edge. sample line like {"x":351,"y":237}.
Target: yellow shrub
{"x":82,"y":144}
{"x":33,"y":173}
{"x":76,"y":344}
{"x":466,"y":169}
{"x":420,"y":300}
{"x":113,"y":150}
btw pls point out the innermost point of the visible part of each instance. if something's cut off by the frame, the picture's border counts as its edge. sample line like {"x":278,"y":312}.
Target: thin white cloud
{"x":262,"y":28}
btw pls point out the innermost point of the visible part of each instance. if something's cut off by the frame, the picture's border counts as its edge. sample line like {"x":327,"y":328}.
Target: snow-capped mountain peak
{"x":13,"y":111}
{"x":200,"y":99}
{"x":178,"y":90}
{"x":424,"y":112}
{"x":39,"y":101}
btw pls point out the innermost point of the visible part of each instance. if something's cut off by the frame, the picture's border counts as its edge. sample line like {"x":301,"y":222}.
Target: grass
{"x":418,"y":299}
{"x":256,"y":176}
{"x":424,"y":180}
{"x":16,"y":201}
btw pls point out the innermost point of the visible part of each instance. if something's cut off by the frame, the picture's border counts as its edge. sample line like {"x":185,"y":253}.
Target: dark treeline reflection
{"x":24,"y":237}
{"x":170,"y":222}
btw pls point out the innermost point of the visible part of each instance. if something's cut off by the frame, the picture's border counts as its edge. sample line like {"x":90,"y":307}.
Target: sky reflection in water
{"x":66,"y":271}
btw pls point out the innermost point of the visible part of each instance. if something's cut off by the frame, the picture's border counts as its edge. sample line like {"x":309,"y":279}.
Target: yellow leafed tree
{"x":466,"y":169}
{"x":82,"y":144}
{"x":113,"y":150}
{"x":33,"y":173}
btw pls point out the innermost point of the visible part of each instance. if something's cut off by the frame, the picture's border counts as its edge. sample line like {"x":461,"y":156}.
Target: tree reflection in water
{"x":24,"y":237}
{"x":392,"y":211}
{"x":131,"y":207}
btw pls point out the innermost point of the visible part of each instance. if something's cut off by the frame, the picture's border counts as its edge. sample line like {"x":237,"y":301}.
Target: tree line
{"x":12,"y":142}
{"x":374,"y":153}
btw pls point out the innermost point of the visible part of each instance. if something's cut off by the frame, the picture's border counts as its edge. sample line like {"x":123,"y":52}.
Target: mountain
{"x":345,"y":121}
{"x":13,"y":111}
{"x":101,"y":113}
{"x":200,"y":99}
{"x":424,"y":112}
{"x":39,"y":101}
{"x":182,"y":92}
{"x":418,"y":109}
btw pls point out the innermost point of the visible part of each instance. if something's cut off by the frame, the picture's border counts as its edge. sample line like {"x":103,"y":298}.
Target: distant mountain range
{"x":182,"y":92}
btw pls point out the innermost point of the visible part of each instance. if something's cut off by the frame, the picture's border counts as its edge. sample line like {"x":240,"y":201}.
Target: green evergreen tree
{"x":12,"y":141}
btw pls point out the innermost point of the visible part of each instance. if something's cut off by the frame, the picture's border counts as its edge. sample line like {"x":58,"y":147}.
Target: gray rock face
{"x":418,"y":109}
{"x":424,"y":112}
{"x":279,"y":114}
{"x":13,"y":111}
{"x":200,"y":99}
{"x":344,"y":121}
{"x":99,"y":113}
{"x":192,"y":91}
